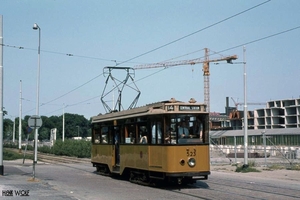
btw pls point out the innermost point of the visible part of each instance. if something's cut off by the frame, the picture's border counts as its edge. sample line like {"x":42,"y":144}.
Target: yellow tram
{"x":166,"y":141}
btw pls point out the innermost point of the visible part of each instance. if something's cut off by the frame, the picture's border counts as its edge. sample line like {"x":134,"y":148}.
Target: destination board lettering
{"x":189,"y":108}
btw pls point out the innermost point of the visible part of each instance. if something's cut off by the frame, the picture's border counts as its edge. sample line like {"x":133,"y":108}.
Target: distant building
{"x":278,"y":114}
{"x":77,"y":138}
{"x":280,"y":120}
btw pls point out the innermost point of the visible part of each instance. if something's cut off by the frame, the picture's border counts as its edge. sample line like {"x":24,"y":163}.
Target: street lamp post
{"x":245,"y":110}
{"x":36,"y":27}
{"x":78,"y":131}
{"x":245,"y":113}
{"x":63,"y":131}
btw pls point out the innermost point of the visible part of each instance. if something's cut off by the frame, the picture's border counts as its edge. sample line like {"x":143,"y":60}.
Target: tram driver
{"x":183,"y":131}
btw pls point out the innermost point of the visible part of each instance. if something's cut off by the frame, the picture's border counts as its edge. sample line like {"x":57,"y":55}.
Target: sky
{"x":80,"y":38}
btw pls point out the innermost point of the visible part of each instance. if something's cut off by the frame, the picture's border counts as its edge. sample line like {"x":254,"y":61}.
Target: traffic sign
{"x":29,"y":130}
{"x":35,"y":121}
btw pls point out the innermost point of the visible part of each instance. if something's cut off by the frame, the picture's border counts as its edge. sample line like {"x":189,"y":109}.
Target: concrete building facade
{"x":278,"y":114}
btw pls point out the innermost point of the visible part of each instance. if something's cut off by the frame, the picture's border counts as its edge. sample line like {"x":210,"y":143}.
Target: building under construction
{"x":279,"y":120}
{"x":276,"y":114}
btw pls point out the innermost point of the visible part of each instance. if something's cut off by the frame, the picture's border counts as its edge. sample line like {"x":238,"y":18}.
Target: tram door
{"x":117,"y":145}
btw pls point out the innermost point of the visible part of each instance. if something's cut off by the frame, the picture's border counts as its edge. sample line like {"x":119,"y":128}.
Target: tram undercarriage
{"x":157,"y":178}
{"x":152,"y":178}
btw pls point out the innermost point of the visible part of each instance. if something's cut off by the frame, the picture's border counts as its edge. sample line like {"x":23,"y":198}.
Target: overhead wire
{"x":126,"y":61}
{"x":73,"y":89}
{"x":207,"y":27}
{"x":260,"y":39}
{"x":59,"y":53}
{"x":218,"y":52}
{"x":64,"y":54}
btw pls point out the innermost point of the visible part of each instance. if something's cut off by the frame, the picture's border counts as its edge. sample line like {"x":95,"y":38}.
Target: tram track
{"x":223,"y":191}
{"x":51,"y":158}
{"x":238,"y":187}
{"x":218,"y":186}
{"x":252,"y":189}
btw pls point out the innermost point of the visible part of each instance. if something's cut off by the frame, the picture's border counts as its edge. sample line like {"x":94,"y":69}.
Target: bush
{"x":276,"y":167}
{"x":295,"y":167}
{"x":75,"y":148}
{"x":244,"y":169}
{"x":16,"y":146}
{"x":11,"y":155}
{"x":45,"y":149}
{"x":10,"y":145}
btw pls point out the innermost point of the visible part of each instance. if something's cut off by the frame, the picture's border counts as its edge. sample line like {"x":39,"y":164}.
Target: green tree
{"x":4,"y":112}
{"x":73,"y":124}
{"x":8,"y":129}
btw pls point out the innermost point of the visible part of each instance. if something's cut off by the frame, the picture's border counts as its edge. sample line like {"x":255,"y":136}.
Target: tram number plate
{"x":191,"y":152}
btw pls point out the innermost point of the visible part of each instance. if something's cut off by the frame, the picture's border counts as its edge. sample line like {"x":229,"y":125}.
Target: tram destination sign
{"x":189,"y":108}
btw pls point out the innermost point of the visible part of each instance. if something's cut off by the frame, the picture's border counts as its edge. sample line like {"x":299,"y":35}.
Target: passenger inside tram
{"x":143,"y":139}
{"x":197,"y":129}
{"x":168,"y":136}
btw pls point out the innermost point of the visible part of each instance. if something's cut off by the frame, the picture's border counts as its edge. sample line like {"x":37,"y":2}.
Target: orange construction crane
{"x":205,"y":69}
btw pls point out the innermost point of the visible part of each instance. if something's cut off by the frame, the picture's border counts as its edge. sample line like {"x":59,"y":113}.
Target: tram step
{"x":116,"y":169}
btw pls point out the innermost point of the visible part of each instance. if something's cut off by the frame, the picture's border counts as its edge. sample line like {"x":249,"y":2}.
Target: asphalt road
{"x":79,"y":181}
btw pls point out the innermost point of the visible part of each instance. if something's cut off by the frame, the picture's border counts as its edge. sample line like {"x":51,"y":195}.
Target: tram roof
{"x":255,"y":132}
{"x":152,"y":108}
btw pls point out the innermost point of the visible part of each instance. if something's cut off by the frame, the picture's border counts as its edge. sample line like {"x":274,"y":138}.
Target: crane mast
{"x":206,"y":74}
{"x":205,"y":69}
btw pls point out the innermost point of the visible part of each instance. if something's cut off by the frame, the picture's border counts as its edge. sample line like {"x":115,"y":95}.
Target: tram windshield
{"x":184,"y":129}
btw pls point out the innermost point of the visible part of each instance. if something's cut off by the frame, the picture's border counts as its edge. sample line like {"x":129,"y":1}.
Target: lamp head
{"x":35,"y":26}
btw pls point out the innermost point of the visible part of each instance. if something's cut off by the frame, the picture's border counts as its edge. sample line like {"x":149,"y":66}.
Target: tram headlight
{"x":192,"y":162}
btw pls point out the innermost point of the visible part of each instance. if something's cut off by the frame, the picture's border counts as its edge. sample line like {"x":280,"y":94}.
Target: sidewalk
{"x":265,"y":168}
{"x":17,"y":182}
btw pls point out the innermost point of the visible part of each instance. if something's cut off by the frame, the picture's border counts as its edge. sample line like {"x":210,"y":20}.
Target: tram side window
{"x":96,"y":134}
{"x":130,"y":134}
{"x":170,"y":130}
{"x":143,"y":134}
{"x":156,"y":132}
{"x":104,"y":135}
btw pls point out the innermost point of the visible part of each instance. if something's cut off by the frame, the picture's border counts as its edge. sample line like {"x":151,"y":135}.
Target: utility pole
{"x":36,"y":135}
{"x":20,"y":118}
{"x":78,"y":131}
{"x":63,"y":131}
{"x":245,"y":113}
{"x":1,"y":96}
{"x":14,"y":130}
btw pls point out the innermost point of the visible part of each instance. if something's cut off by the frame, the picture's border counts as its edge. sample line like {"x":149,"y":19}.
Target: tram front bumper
{"x":192,"y":175}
